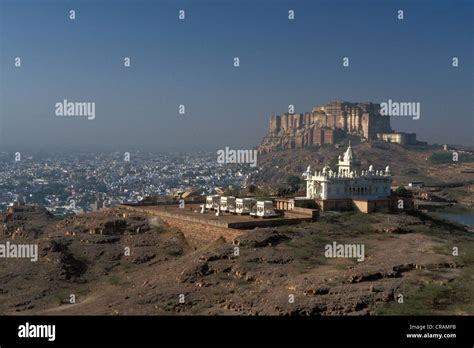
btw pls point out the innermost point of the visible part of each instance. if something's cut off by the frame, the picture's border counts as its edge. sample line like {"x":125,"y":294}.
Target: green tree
{"x":262,"y":192}
{"x":333,"y":164}
{"x":283,"y":190}
{"x":402,"y":191}
{"x":232,"y":191}
{"x":294,"y":182}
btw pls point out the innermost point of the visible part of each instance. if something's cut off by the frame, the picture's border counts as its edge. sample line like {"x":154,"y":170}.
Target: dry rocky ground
{"x":85,"y":256}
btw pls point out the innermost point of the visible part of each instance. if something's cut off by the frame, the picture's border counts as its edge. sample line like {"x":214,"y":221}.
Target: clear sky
{"x":190,"y":62}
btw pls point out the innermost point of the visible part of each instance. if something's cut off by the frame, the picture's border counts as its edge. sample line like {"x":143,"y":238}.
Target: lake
{"x":466,"y":218}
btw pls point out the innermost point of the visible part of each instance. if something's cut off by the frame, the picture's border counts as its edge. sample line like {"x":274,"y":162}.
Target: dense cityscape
{"x":70,"y":183}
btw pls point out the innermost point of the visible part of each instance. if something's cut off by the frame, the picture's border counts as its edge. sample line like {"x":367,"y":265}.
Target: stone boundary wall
{"x":197,"y":233}
{"x":202,"y":233}
{"x":306,"y":211}
{"x":196,"y":219}
{"x":267,"y":223}
{"x":248,"y":225}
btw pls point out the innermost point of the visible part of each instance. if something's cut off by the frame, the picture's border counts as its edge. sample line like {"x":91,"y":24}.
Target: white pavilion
{"x":349,"y":182}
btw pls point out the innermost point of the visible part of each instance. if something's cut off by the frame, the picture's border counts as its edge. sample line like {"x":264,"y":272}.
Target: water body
{"x":466,"y":218}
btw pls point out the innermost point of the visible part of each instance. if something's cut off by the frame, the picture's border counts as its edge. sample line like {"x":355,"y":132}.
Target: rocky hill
{"x":406,"y":163}
{"x":325,"y":124}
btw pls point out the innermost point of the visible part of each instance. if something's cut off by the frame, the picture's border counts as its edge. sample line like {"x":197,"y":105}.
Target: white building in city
{"x":349,"y":182}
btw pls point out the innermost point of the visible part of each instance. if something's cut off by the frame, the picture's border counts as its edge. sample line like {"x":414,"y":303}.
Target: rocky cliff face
{"x":324,"y":125}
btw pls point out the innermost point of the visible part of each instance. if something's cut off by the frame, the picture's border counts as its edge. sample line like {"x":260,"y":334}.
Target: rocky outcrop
{"x":324,"y":125}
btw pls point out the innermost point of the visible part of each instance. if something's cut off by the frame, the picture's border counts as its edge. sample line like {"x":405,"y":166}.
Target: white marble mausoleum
{"x":349,"y":182}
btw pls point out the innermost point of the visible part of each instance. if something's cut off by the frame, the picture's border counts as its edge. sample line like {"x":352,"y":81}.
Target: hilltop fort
{"x":326,"y":124}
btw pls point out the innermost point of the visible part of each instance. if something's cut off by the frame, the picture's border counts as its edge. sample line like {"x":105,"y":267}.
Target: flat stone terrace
{"x":191,"y":213}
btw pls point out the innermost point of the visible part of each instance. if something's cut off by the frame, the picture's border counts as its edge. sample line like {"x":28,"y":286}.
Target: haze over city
{"x":177,"y":159}
{"x":190,"y":62}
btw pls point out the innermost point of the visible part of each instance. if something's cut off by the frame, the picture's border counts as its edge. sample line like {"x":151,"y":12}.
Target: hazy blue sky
{"x":190,"y":62}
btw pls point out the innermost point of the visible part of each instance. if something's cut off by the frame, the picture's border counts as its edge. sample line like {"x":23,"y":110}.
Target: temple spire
{"x":348,"y":161}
